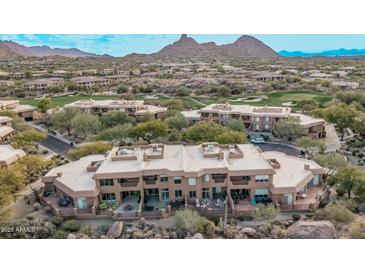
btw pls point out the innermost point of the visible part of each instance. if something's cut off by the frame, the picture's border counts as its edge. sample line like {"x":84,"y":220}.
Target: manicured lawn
{"x":274,"y":99}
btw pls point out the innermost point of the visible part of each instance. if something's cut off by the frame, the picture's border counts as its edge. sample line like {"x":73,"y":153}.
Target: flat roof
{"x":5,"y":130}
{"x":247,"y":109}
{"x":306,"y":120}
{"x":74,"y":175}
{"x":191,"y":114}
{"x":9,"y":155}
{"x":292,"y":173}
{"x":5,"y":119}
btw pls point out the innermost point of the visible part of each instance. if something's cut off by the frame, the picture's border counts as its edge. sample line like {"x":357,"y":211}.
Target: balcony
{"x":239,"y":182}
{"x":150,"y":180}
{"x":219,"y":178}
{"x":128,"y":182}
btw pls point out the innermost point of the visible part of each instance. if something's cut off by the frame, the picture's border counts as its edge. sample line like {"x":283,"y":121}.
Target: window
{"x":108,"y":196}
{"x":165,"y":194}
{"x":257,"y":119}
{"x":177,"y":180}
{"x":261,"y":193}
{"x":257,"y":127}
{"x":106,"y":182}
{"x":267,"y":127}
{"x":267,"y":119}
{"x":214,"y":114}
{"x":205,"y":193}
{"x":192,"y":181}
{"x":262,"y":178}
{"x":206,"y":178}
{"x":178,"y":193}
{"x":246,"y":178}
{"x":192,"y":194}
{"x":164,"y":178}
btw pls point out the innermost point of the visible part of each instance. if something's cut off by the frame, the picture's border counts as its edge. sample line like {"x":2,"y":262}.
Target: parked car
{"x":258,"y":140}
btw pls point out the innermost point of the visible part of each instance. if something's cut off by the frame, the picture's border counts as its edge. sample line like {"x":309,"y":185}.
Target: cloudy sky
{"x":122,"y":44}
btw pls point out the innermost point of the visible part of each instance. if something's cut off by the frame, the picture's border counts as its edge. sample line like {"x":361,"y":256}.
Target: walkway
{"x":332,"y":141}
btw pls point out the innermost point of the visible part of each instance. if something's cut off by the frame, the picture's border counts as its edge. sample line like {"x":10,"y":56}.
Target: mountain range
{"x":10,"y":49}
{"x":328,"y":53}
{"x":187,"y":47}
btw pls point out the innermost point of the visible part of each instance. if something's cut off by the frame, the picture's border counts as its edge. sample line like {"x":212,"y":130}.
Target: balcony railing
{"x":129,"y":184}
{"x":149,"y":182}
{"x":239,"y":182}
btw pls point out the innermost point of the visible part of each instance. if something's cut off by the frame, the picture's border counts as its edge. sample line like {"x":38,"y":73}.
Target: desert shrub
{"x":350,"y":204}
{"x":265,"y":212}
{"x":86,"y":230}
{"x":336,"y":213}
{"x":358,"y":230}
{"x":56,"y":220}
{"x":355,"y":152}
{"x":71,"y":226}
{"x":60,"y":234}
{"x":189,"y":221}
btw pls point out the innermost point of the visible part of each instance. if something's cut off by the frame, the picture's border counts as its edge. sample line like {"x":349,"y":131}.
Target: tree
{"x":150,"y":130}
{"x":236,"y":125}
{"x":178,"y":121}
{"x":113,"y":118}
{"x":182,"y":91}
{"x":308,"y":143}
{"x":119,"y":133}
{"x":332,"y":162}
{"x":89,"y":149}
{"x":289,"y":129}
{"x":174,"y":104}
{"x":205,"y":131}
{"x":341,"y":115}
{"x":223,"y":91}
{"x":28,"y":138}
{"x":62,"y":119}
{"x":231,"y":137}
{"x":85,"y":124}
{"x":359,"y":125}
{"x":12,"y":179}
{"x":307,"y":105}
{"x":44,"y":105}
{"x":189,"y":221}
{"x":349,"y":180}
{"x":122,"y":89}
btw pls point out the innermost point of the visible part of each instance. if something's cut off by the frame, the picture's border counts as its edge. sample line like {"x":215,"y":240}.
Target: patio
{"x":311,"y":197}
{"x":129,"y":205}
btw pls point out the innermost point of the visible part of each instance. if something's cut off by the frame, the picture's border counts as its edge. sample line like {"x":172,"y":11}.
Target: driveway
{"x":290,"y":150}
{"x":56,"y":145}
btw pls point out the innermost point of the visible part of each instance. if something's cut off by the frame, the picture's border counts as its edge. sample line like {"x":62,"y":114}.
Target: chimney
{"x":221,"y":155}
{"x":306,"y":167}
{"x":59,"y":174}
{"x":145,"y":157}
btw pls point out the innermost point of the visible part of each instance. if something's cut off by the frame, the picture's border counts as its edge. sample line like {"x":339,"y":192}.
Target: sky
{"x":123,"y":44}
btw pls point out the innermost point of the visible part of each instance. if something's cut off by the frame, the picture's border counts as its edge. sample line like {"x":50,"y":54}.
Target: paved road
{"x":56,"y":145}
{"x":280,"y":147}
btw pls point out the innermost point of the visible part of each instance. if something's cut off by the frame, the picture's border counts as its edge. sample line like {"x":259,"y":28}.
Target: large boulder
{"x":249,"y":232}
{"x":312,"y":230}
{"x":198,"y":236}
{"x":115,"y":231}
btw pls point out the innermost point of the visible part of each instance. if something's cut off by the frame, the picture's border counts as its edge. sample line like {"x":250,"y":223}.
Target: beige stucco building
{"x":135,"y":108}
{"x":9,"y":155}
{"x":153,"y":179}
{"x":26,"y":112}
{"x":257,"y":119}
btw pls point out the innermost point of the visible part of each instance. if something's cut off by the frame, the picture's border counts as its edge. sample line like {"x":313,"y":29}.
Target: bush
{"x":71,"y":226}
{"x":354,"y":152}
{"x":360,"y":155}
{"x":103,"y":206}
{"x":115,"y":205}
{"x":336,"y":213}
{"x":57,"y":220}
{"x":265,"y":212}
{"x":60,"y":234}
{"x":358,"y":231}
{"x":189,"y":221}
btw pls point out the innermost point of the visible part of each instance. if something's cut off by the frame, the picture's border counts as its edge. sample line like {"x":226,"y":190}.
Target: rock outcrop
{"x":312,"y":230}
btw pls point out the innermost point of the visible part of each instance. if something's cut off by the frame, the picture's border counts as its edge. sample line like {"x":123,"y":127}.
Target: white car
{"x":258,"y":140}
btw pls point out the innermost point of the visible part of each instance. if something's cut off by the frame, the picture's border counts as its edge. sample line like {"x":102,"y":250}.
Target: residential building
{"x":152,"y":179}
{"x":6,"y":130}
{"x":135,"y":108}
{"x":60,"y":73}
{"x":24,"y":111}
{"x":257,"y":119}
{"x":90,"y":81}
{"x":266,"y":77}
{"x":17,"y":75}
{"x":346,"y":84}
{"x":41,"y":84}
{"x":9,"y":155}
